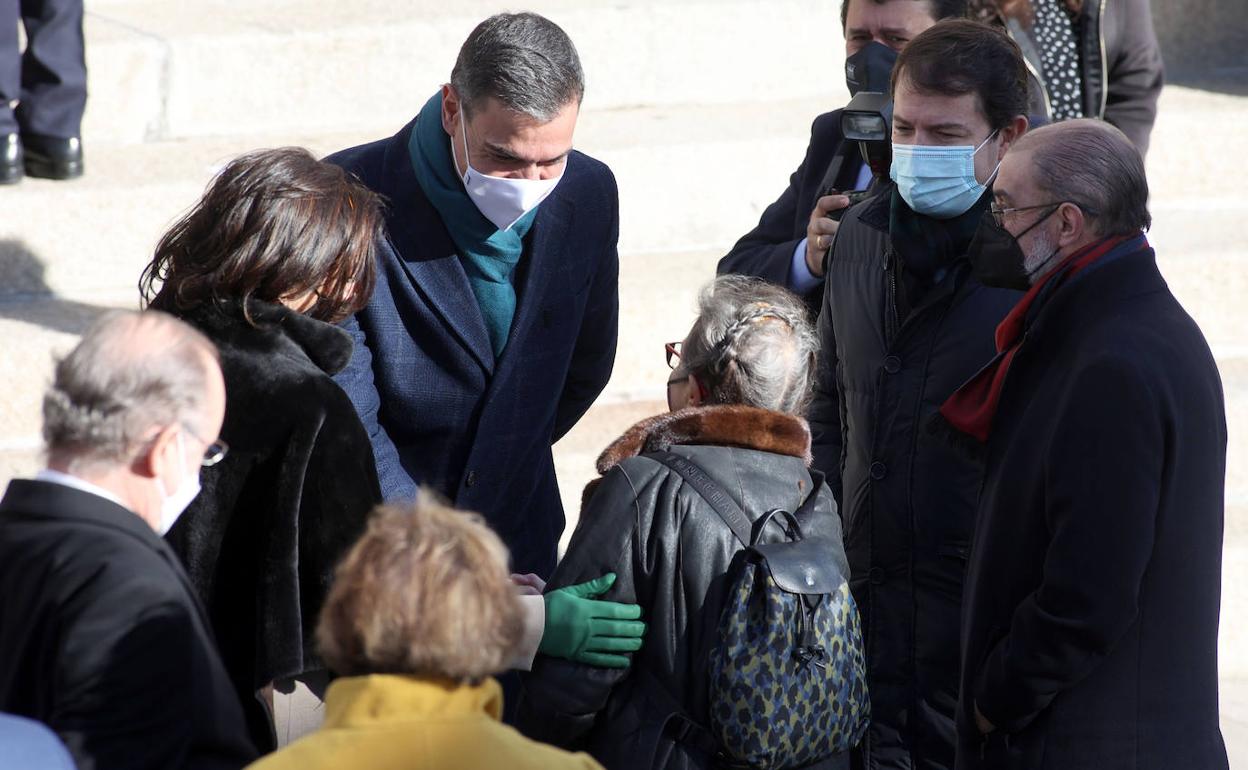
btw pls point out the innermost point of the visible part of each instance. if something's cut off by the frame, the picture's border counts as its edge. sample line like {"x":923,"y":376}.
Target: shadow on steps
{"x":25,"y":295}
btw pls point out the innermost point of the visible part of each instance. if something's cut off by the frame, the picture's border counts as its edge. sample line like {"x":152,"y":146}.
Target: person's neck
{"x":117,"y":481}
{"x":1059,"y":259}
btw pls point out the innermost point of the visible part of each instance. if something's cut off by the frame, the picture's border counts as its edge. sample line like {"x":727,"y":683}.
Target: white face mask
{"x":501,"y":200}
{"x":172,"y":506}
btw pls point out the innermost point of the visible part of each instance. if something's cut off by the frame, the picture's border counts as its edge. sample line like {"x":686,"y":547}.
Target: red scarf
{"x":972,"y":407}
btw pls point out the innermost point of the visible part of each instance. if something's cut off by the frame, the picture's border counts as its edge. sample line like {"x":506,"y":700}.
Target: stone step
{"x":691,"y":178}
{"x":161,"y":70}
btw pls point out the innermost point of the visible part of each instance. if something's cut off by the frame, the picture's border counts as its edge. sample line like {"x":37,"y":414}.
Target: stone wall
{"x":1204,"y":42}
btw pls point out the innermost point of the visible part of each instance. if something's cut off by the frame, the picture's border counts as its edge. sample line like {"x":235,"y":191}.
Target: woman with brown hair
{"x":278,"y":250}
{"x":421,"y":615}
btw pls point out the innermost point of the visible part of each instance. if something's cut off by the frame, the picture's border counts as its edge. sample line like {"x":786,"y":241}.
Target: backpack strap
{"x":723,"y":503}
{"x":807,"y":508}
{"x":713,"y":493}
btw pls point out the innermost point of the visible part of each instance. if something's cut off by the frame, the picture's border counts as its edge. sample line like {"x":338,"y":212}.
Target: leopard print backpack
{"x":788,"y":677}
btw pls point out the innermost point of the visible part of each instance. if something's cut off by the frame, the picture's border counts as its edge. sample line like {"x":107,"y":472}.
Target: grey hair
{"x":1093,"y":165}
{"x":129,"y":373}
{"x":753,"y":344}
{"x":524,"y":60}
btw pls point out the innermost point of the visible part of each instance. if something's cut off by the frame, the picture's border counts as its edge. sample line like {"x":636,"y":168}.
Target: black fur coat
{"x":261,"y":540}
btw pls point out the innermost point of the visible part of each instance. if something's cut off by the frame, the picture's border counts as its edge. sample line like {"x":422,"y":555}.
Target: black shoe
{"x":10,"y":158}
{"x":51,"y":157}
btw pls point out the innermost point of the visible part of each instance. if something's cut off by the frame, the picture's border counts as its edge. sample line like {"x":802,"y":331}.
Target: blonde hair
{"x":425,"y":592}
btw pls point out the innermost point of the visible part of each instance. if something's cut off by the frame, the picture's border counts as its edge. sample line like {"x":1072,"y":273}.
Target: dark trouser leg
{"x":53,"y":69}
{"x":10,"y":64}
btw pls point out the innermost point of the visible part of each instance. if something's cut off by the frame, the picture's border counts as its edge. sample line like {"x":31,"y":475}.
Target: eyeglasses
{"x":673,"y":353}
{"x":998,"y":213}
{"x":214,"y":453}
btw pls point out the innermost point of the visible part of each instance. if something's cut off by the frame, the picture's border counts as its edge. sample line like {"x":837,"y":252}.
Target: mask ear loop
{"x":993,"y":176}
{"x":463,"y":132}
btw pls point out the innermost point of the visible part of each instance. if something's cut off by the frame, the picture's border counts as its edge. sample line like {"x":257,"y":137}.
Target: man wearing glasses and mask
{"x":101,"y":636}
{"x":904,"y":323}
{"x":1090,"y":631}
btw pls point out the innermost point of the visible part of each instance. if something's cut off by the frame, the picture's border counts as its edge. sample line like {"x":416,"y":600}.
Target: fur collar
{"x":733,"y":425}
{"x":325,"y":345}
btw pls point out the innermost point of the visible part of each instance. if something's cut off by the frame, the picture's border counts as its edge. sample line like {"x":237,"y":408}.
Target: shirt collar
{"x":73,"y":482}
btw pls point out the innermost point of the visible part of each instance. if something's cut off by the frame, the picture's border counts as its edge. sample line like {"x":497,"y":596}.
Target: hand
{"x":589,"y":631}
{"x":529,"y":584}
{"x":982,"y":723}
{"x":821,"y":229}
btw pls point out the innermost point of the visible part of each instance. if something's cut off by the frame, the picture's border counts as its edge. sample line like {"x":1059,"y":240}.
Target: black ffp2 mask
{"x":870,"y":68}
{"x":996,"y":258}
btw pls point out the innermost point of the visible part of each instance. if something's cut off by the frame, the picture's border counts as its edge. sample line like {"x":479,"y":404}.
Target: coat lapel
{"x":416,"y":230}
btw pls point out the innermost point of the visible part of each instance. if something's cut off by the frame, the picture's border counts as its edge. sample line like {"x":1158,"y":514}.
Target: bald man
{"x":1092,"y":593}
{"x":101,"y":637}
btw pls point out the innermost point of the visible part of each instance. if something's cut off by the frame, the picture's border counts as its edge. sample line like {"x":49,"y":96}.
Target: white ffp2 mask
{"x":501,"y":200}
{"x":172,"y":506}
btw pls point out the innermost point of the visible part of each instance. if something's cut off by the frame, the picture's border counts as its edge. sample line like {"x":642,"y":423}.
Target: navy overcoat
{"x":439,"y":409}
{"x":1090,"y":617}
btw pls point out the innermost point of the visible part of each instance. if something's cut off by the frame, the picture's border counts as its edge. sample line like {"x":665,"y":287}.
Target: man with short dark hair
{"x":904,"y":323}
{"x":493,"y":325}
{"x":101,"y":636}
{"x":1090,"y":635}
{"x":792,"y":237}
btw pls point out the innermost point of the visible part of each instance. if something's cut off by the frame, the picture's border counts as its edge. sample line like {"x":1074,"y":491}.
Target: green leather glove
{"x":585,"y":630}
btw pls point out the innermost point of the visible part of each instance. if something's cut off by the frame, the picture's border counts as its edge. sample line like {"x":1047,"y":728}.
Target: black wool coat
{"x":907,"y":497}
{"x":103,"y":640}
{"x":1093,"y":591}
{"x":261,"y":540}
{"x":671,"y":553}
{"x":767,"y":250}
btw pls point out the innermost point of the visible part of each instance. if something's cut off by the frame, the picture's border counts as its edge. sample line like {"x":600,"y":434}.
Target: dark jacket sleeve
{"x":1103,"y":488}
{"x":561,"y":697}
{"x":826,"y":419}
{"x":357,"y":380}
{"x":593,"y":357}
{"x":1135,"y":69}
{"x":337,"y":492}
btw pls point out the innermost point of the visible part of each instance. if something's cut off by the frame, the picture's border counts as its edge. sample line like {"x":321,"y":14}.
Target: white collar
{"x":73,"y":482}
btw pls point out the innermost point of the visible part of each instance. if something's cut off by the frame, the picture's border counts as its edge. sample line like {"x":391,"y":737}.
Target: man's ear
{"x":151,"y":462}
{"x":450,"y":109}
{"x":1072,"y":227}
{"x":1010,"y":134}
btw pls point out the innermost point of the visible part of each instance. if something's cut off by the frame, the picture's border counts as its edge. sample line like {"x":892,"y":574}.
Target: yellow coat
{"x":385,"y":722}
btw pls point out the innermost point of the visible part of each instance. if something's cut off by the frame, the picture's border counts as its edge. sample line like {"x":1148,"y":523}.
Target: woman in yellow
{"x":421,"y":614}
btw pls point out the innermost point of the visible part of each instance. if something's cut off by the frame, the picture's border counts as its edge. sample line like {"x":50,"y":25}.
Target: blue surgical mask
{"x":938,"y":181}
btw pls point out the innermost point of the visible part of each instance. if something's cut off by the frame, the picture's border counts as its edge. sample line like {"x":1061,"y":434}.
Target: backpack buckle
{"x":812,"y":654}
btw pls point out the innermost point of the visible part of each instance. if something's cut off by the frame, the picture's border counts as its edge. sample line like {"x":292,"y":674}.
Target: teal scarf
{"x":489,"y":255}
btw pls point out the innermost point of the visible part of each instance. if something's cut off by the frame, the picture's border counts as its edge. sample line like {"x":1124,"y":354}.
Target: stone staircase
{"x":701,"y":107}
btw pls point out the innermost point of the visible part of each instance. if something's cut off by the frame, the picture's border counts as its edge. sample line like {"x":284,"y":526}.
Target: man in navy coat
{"x":493,"y":324}
{"x":1090,"y":618}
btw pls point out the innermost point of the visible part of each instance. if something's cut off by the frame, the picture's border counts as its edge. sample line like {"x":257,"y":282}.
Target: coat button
{"x":470,"y":479}
{"x":876,"y":575}
{"x":878,"y":471}
{"x":892,"y":364}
